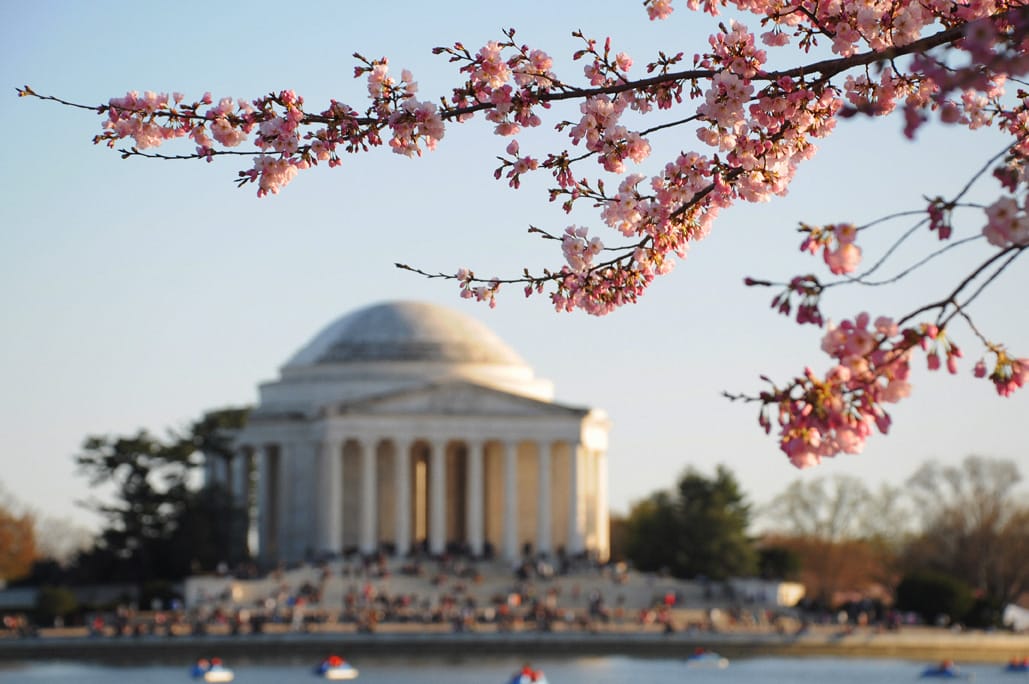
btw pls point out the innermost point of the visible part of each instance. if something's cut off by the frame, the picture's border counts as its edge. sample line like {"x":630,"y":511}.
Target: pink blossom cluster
{"x":152,"y":119}
{"x":822,"y":417}
{"x":515,"y":166}
{"x":512,"y":86}
{"x":143,"y":118}
{"x":579,"y":249}
{"x":765,"y":141}
{"x":940,"y":214}
{"x":851,"y":25}
{"x":600,"y":132}
{"x":482,"y":293}
{"x":412,"y":123}
{"x":935,"y":342}
{"x":602,"y":291}
{"x":272,"y":174}
{"x":1008,"y":375}
{"x":279,"y":125}
{"x":837,"y":242}
{"x":807,"y":289}
{"x":659,"y":9}
{"x":1007,"y":223}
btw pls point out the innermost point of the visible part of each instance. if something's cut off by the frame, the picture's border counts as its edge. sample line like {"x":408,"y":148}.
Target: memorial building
{"x":409,"y":426}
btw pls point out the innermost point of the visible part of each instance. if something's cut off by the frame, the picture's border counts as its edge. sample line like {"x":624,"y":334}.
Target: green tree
{"x":779,"y":562}
{"x":618,"y":531}
{"x":212,"y":525}
{"x":934,"y":595}
{"x":699,"y":530}
{"x":158,"y":526}
{"x":650,"y":533}
{"x":150,"y":487}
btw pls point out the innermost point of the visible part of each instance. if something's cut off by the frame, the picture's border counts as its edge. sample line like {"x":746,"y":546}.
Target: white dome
{"x":397,"y":346}
{"x":405,"y":332}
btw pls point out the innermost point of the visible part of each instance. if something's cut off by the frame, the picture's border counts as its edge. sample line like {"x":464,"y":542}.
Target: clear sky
{"x":138,"y":294}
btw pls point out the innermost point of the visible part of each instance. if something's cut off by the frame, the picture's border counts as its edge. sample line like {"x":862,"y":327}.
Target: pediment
{"x":457,"y":399}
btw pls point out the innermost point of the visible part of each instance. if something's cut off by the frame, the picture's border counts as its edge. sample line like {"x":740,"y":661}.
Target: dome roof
{"x":406,"y":331}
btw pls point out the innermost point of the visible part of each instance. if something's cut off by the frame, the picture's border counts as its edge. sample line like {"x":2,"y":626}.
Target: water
{"x":603,"y":670}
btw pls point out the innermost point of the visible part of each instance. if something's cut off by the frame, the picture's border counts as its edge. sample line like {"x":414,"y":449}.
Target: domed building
{"x":405,"y":425}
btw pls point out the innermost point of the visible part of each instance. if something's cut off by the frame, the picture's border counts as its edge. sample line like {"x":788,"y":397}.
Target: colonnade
{"x":366,"y":493}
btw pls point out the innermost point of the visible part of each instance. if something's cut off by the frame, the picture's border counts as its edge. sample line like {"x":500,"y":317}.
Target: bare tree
{"x":973,"y":527}
{"x":845,"y":534}
{"x":838,"y":509}
{"x":60,"y":539}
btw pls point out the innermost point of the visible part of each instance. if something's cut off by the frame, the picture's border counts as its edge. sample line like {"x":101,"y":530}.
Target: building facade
{"x":407,"y":426}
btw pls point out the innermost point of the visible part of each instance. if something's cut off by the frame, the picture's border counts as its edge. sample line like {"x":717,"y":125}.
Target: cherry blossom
{"x":750,"y":127}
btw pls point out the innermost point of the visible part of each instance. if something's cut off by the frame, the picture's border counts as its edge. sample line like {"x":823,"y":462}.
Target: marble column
{"x":369,"y":503}
{"x":238,"y":480}
{"x":603,"y":516}
{"x":225,"y":478}
{"x":249,"y":488}
{"x":284,"y":530}
{"x":511,"y":501}
{"x":211,"y":470}
{"x":330,"y":496}
{"x":437,"y":497}
{"x":402,"y":492}
{"x":474,"y":498}
{"x":576,"y":503}
{"x":543,"y":498}
{"x":264,"y":503}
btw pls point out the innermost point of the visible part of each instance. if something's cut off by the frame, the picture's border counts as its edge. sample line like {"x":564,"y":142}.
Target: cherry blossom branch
{"x":1011,"y":252}
{"x":949,"y":61}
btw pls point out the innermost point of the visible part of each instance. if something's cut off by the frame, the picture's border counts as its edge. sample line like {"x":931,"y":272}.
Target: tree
{"x":842,"y":508}
{"x":973,"y":526}
{"x":779,"y":562}
{"x":755,"y":123}
{"x":832,"y":571}
{"x":150,"y":490}
{"x":158,"y":526}
{"x":213,"y":526}
{"x":619,"y":530}
{"x":651,"y":533}
{"x":17,"y":544}
{"x":699,"y":530}
{"x":60,"y":539}
{"x":846,"y":537}
{"x":934,"y":596}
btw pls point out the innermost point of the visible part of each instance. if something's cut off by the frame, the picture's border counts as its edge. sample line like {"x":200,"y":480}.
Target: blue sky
{"x":140,"y":294}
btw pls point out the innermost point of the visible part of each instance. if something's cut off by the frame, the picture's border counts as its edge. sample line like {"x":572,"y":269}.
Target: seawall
{"x":922,"y":644}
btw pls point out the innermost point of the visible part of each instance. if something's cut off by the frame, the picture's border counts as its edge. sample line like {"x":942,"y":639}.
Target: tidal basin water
{"x":472,"y":670}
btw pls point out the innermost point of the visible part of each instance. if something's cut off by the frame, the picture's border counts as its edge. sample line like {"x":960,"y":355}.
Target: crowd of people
{"x":448,"y":593}
{"x":452,"y":593}
{"x":367,"y":594}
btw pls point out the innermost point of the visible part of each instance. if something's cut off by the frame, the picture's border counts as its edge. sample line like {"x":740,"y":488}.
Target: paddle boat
{"x":335,"y":668}
{"x":1016,"y":665}
{"x":702,"y":657}
{"x":945,"y":670}
{"x":212,"y":671}
{"x":527,"y":675}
